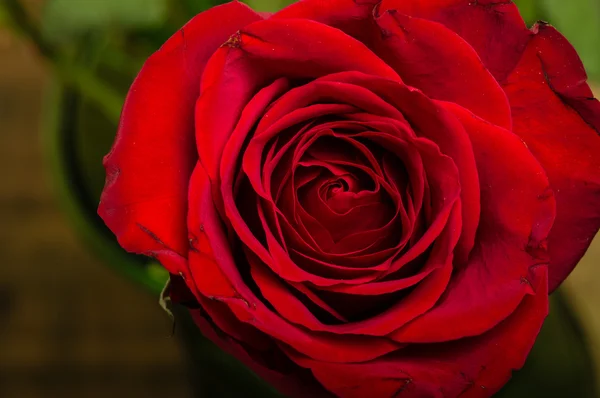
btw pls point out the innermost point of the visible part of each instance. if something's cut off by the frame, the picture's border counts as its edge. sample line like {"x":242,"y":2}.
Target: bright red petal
{"x":145,"y":198}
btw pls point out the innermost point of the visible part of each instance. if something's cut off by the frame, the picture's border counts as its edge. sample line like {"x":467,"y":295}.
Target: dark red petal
{"x":442,"y":176}
{"x":559,"y":120}
{"x":354,"y":265}
{"x":351,"y":16}
{"x":516,"y":216}
{"x":279,"y":294}
{"x":273,"y":254}
{"x":426,"y":293}
{"x":148,"y":168}
{"x":507,"y":346}
{"x":284,"y":266}
{"x":474,"y":367}
{"x":214,"y":273}
{"x":439,"y":257}
{"x":258,"y":55}
{"x":253,"y":164}
{"x":434,"y":59}
{"x":252,"y":112}
{"x":494,"y":28}
{"x":435,"y":123}
{"x":289,"y":47}
{"x":327,"y":90}
{"x":428,"y":56}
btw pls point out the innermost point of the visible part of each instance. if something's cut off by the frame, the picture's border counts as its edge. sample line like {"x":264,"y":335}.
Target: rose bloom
{"x":362,"y":198}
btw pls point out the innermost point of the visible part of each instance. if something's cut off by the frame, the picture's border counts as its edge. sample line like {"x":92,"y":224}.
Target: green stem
{"x":108,"y":100}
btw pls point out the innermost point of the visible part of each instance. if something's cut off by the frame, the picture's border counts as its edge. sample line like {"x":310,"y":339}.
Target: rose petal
{"x":428,"y":55}
{"x":494,"y":28}
{"x":259,"y":54}
{"x":559,"y":120}
{"x":426,"y":293}
{"x":210,"y":254}
{"x":144,"y":202}
{"x":350,"y":16}
{"x":433,"y":122}
{"x":437,"y":61}
{"x":474,"y":367}
{"x":516,"y":217}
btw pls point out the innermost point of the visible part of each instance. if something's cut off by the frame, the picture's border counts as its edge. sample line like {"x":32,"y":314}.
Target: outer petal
{"x":558,"y":118}
{"x":258,"y":55}
{"x":354,"y":17}
{"x":145,"y":198}
{"x":494,"y":28}
{"x":438,"y":62}
{"x":426,"y":54}
{"x":474,"y":367}
{"x":517,"y":211}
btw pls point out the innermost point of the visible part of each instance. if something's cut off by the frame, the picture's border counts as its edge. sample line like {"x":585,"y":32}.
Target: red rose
{"x":363,"y":197}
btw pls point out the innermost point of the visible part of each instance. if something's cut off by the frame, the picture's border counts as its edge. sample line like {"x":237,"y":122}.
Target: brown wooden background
{"x":70,"y":327}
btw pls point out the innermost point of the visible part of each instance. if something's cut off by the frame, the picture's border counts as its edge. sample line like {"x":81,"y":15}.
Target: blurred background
{"x":78,"y":316}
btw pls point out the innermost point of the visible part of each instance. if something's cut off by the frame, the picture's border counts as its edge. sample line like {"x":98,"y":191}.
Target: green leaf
{"x":579,"y":21}
{"x":64,"y":20}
